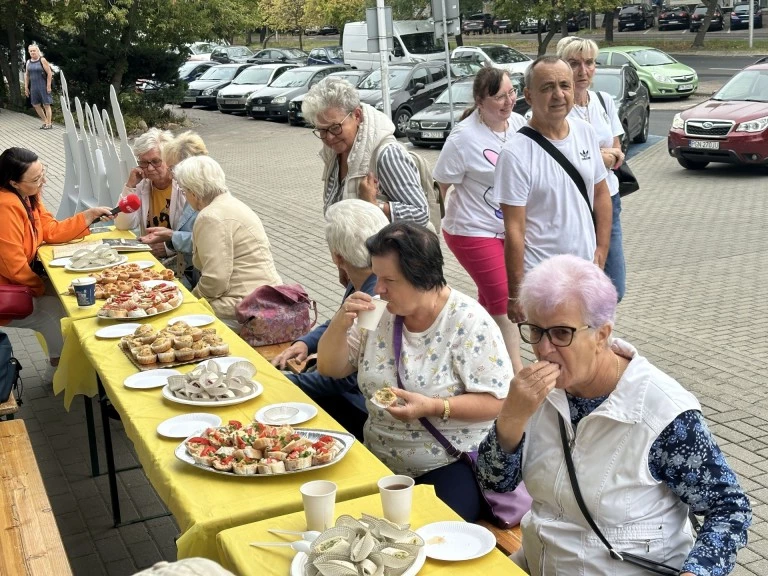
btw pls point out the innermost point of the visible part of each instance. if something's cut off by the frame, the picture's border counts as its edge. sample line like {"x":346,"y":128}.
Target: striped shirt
{"x":399,"y":181}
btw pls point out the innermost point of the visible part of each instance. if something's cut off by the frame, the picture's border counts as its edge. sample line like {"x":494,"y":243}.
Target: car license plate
{"x":432,"y":134}
{"x":630,"y":24}
{"x":705,"y":144}
{"x":190,"y":99}
{"x":685,"y":87}
{"x":673,"y":22}
{"x":259,"y":108}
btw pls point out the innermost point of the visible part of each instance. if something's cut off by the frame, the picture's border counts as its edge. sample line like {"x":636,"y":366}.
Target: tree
{"x":285,"y":15}
{"x":335,"y":13}
{"x":698,"y":41}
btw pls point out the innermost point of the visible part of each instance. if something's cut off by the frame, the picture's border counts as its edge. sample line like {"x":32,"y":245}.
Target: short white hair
{"x":152,"y":139}
{"x":571,"y":46}
{"x":201,"y":176}
{"x":331,"y":92}
{"x":349,"y":224}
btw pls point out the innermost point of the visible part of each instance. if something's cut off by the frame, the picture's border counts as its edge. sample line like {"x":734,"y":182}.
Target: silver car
{"x":251,"y":80}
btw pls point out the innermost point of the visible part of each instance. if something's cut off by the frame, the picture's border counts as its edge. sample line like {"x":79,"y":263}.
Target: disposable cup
{"x":85,"y":291}
{"x":369,"y":319}
{"x":319,"y":497}
{"x":397,"y":498}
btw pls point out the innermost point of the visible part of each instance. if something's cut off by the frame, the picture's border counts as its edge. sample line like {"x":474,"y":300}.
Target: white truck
{"x":414,"y":41}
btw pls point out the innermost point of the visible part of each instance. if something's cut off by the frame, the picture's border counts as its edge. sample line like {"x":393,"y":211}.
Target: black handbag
{"x":650,"y":565}
{"x":627,"y":180}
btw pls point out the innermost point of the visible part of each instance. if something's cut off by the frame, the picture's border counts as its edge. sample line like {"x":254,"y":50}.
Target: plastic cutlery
{"x":300,"y":546}
{"x":309,"y":535}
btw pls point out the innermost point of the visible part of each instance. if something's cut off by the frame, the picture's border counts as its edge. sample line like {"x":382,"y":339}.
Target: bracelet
{"x":446,"y":410}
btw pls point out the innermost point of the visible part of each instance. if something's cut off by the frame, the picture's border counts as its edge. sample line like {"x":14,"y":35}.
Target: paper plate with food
{"x":209,"y":385}
{"x":261,"y":450}
{"x":142,"y":302}
{"x":96,"y":258}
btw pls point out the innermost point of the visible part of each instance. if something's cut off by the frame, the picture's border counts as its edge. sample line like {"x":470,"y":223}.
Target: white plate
{"x":289,"y":413}
{"x":143,"y":264}
{"x":149,"y":378}
{"x":257,"y":390}
{"x":185,"y":425}
{"x":456,"y":540}
{"x":225,"y":361}
{"x":120,"y":260}
{"x":59,"y":262}
{"x":117,"y":331}
{"x":193,"y":319}
{"x":300,"y":560}
{"x":344,"y":438}
{"x":134,"y":318}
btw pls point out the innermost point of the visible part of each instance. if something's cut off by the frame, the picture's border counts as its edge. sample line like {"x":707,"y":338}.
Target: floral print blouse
{"x":463,"y":351}
{"x":687,"y":459}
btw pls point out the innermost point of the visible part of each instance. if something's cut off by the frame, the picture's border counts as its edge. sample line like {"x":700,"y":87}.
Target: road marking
{"x":646,"y":32}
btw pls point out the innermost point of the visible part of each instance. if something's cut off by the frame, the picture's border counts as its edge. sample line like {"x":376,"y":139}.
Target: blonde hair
{"x":571,"y":46}
{"x":182,"y":147}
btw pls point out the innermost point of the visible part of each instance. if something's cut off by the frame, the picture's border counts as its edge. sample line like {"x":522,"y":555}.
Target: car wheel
{"x":402,"y":117}
{"x":643,"y":136}
{"x":186,"y":105}
{"x":691,"y":164}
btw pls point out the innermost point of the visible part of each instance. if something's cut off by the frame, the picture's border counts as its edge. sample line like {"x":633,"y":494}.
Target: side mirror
{"x":283,"y":58}
{"x":631,"y":94}
{"x":418,"y":86}
{"x":398,"y":52}
{"x":196,"y":76}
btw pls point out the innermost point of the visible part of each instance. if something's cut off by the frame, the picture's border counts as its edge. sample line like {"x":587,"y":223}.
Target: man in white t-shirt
{"x":544,"y":212}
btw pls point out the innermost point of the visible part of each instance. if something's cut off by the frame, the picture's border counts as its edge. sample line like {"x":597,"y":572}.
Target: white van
{"x":414,"y":41}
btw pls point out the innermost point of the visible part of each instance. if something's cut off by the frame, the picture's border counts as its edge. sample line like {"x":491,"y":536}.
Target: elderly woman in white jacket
{"x":231,"y":248}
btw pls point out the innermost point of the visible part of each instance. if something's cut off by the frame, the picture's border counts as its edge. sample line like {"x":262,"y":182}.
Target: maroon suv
{"x":730,"y":127}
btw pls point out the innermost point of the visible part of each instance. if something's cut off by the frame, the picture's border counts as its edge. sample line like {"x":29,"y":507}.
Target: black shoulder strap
{"x":602,"y":102}
{"x":565,"y":164}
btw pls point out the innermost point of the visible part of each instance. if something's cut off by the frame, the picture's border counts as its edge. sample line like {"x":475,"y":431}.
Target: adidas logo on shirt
{"x":584,"y":155}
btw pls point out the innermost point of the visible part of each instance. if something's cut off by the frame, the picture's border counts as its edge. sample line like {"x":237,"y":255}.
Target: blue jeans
{"x":614,"y":263}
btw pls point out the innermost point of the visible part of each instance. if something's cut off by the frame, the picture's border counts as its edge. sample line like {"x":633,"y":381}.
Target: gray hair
{"x":331,"y":92}
{"x":540,"y":60}
{"x":151,"y":139}
{"x":349,"y":224}
{"x":570,"y":46}
{"x":201,"y":176}
{"x":182,"y":147}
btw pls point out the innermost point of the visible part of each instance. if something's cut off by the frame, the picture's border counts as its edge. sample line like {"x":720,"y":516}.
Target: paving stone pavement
{"x":696,"y":306}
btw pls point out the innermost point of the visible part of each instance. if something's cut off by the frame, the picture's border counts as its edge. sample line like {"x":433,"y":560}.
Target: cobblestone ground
{"x":696,"y":306}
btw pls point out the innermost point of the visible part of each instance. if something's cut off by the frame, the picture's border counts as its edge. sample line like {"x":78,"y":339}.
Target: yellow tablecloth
{"x":244,"y":560}
{"x":205,"y":503}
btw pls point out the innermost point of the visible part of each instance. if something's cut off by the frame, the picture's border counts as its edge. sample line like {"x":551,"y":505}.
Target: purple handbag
{"x":506,"y":508}
{"x":275,"y":314}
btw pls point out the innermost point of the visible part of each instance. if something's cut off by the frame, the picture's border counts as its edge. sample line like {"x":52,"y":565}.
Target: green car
{"x":662,"y":75}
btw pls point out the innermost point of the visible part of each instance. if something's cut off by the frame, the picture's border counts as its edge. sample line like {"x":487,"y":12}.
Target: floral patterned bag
{"x":275,"y":314}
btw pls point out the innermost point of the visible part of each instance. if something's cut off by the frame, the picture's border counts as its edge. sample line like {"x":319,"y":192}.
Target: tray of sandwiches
{"x":142,"y":301}
{"x":261,"y":450}
{"x":176,"y":345}
{"x":122,"y":278}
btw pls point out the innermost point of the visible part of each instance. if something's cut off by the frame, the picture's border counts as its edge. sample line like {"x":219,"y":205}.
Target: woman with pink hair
{"x":607,"y":442}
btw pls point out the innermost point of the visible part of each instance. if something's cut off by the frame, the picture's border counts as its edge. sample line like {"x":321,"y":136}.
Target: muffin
{"x":209,"y":331}
{"x":146,"y":356}
{"x":143,"y":330}
{"x":180,"y":342}
{"x":220,"y":348}
{"x":202,"y":350}
{"x":161,"y":344}
{"x":196,"y":333}
{"x":167,"y":356}
{"x":184,"y":355}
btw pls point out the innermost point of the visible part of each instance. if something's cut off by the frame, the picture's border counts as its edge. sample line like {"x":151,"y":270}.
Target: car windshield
{"x":293,"y":79}
{"x":241,"y":51}
{"x":335,"y":52}
{"x":253,"y":76}
{"x":202,"y":48}
{"x":742,"y":9}
{"x":700,"y":10}
{"x":293,"y":53}
{"x":751,"y":85}
{"x":651,"y":57}
{"x":462,"y":94}
{"x":465,"y":68}
{"x":504,"y":55}
{"x":187,"y":67}
{"x":397,"y":78}
{"x":351,"y":77}
{"x":630,"y":10}
{"x":610,"y":83}
{"x":421,"y":43}
{"x":219,"y":73}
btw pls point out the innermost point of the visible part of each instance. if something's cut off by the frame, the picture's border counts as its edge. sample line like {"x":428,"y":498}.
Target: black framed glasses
{"x":334,"y":129}
{"x":560,"y":336}
{"x":156,"y":163}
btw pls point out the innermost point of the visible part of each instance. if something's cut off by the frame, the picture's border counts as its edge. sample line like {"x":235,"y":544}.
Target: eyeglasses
{"x":36,"y":181}
{"x":589,"y":63}
{"x":505,"y":96}
{"x":334,"y":129}
{"x":560,"y":336}
{"x":156,"y":163}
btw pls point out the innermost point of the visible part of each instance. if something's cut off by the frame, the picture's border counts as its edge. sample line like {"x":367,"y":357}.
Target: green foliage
{"x":335,"y":12}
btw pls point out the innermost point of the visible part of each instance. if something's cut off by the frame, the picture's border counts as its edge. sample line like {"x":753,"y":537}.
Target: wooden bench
{"x":29,"y":539}
{"x":508,"y":541}
{"x":269,"y":352}
{"x":9,"y":408}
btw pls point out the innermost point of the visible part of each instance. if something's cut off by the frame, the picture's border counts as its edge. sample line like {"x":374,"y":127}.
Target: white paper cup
{"x":85,"y":291}
{"x":396,"y":498}
{"x":319,"y":497}
{"x":369,"y":319}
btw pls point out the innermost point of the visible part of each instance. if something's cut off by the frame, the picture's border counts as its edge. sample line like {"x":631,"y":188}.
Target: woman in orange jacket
{"x":26,"y":224}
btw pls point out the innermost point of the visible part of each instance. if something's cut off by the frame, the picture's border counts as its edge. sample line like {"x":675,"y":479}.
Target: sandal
{"x":48,"y":127}
{"x":43,"y":126}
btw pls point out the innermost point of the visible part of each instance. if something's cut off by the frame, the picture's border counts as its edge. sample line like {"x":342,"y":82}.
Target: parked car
{"x":278,"y":55}
{"x":231,"y":54}
{"x":412,"y":87}
{"x":740,"y":16}
{"x":495,"y":55}
{"x":462,"y":67}
{"x":503,"y":26}
{"x":234,"y":97}
{"x":636,"y":17}
{"x":201,"y":50}
{"x":312,"y":31}
{"x":326,"y":55}
{"x":697,"y":18}
{"x":431,"y":126}
{"x":731,"y":127}
{"x":191,"y":70}
{"x":328,"y":30}
{"x":485,"y":19}
{"x":354,"y":77}
{"x":632,"y":100}
{"x":272,"y":102}
{"x":674,"y":17}
{"x":203,"y":91}
{"x":532,"y":25}
{"x":662,"y":75}
{"x":578,"y":21}
{"x":472,"y":27}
